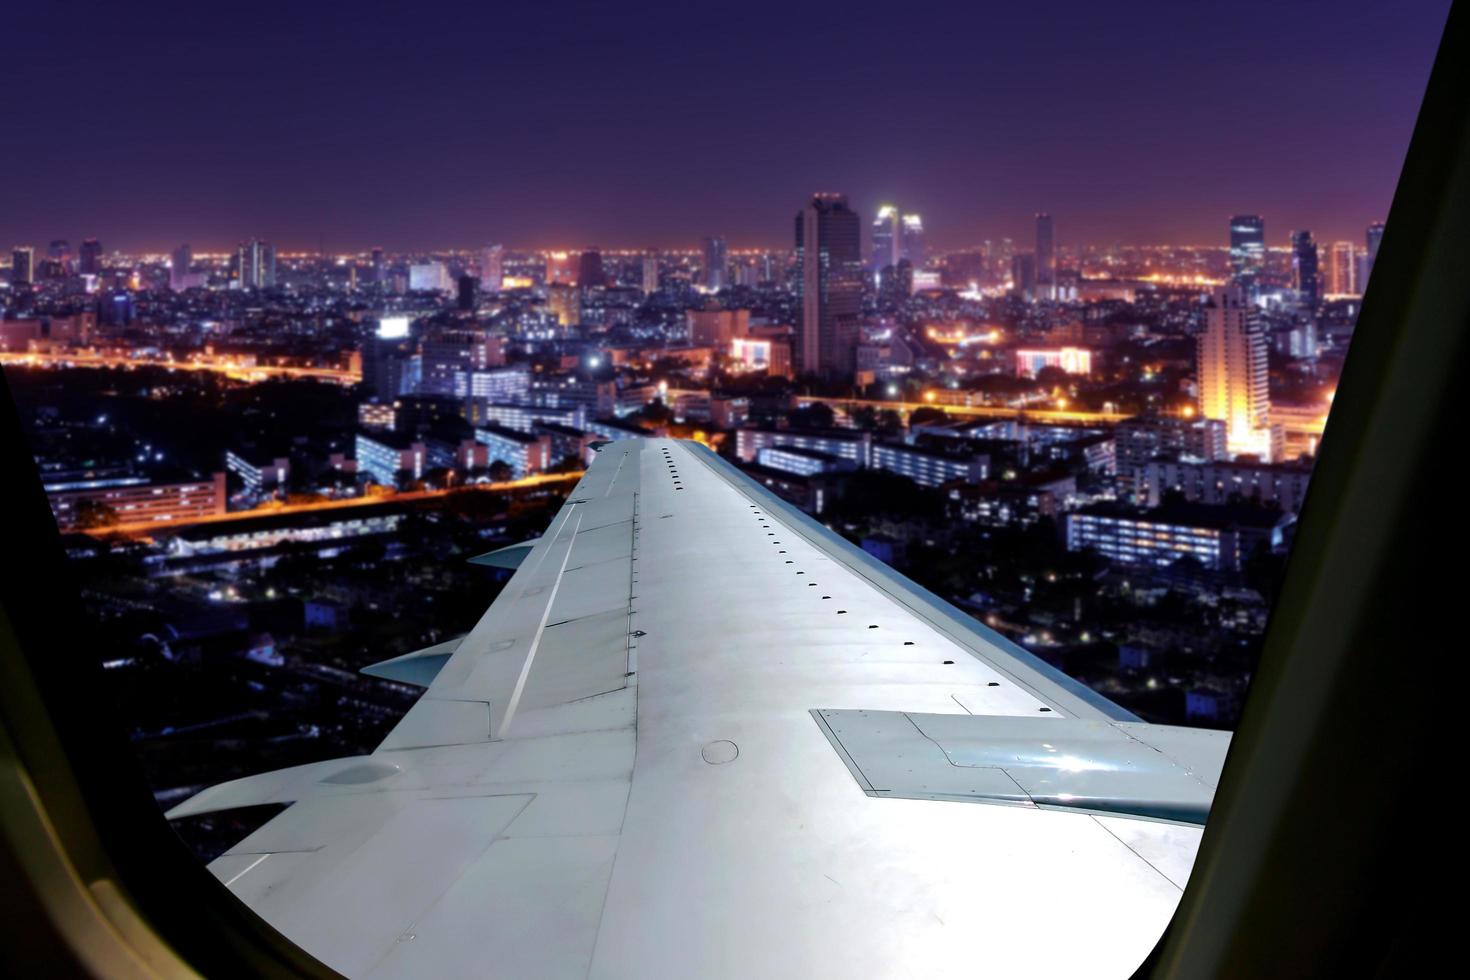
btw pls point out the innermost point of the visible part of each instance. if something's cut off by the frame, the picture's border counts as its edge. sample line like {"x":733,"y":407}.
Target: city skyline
{"x":651,"y":134}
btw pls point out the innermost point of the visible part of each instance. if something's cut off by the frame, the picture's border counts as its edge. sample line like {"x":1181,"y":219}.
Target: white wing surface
{"x":699,"y":735}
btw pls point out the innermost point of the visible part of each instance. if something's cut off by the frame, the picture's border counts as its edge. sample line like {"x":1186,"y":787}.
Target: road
{"x":145,"y":528}
{"x":230,"y":367}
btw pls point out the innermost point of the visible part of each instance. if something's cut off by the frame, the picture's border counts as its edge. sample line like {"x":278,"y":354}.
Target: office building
{"x":564,"y":302}
{"x":257,"y":265}
{"x":716,"y":327}
{"x":23,"y":266}
{"x":1217,"y":538}
{"x":1233,"y":372}
{"x":589,"y":269}
{"x":178,"y":269}
{"x":390,"y":458}
{"x":380,"y":272}
{"x":430,"y":277}
{"x":1342,"y":272}
{"x":131,"y":499}
{"x":1304,"y":268}
{"x":913,"y":241}
{"x":1247,"y":247}
{"x":492,"y":268}
{"x":1074,"y":360}
{"x":90,"y":262}
{"x":1283,"y":485}
{"x":1046,"y":258}
{"x":1143,"y":438}
{"x":1023,"y":275}
{"x":650,"y":274}
{"x":716,"y":264}
{"x":886,"y":240}
{"x":258,"y":472}
{"x":927,"y":467}
{"x":829,"y":289}
{"x":524,"y":452}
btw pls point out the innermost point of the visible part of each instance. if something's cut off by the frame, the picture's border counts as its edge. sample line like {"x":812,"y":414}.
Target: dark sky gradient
{"x":418,"y":125}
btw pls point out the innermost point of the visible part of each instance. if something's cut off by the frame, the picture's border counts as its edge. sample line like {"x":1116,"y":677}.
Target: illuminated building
{"x":91,"y":258}
{"x":850,"y":446}
{"x":828,"y":252}
{"x":134,"y":499}
{"x":1342,"y":269}
{"x":1046,"y":258}
{"x":1073,"y":360}
{"x":762,"y":355}
{"x":1282,"y":484}
{"x":468,"y":297}
{"x":1218,"y":538}
{"x":1146,"y":437}
{"x":716,"y":264}
{"x":258,"y":474}
{"x":886,"y":240}
{"x":928,"y":468}
{"x":913,"y":241}
{"x":560,"y":268}
{"x":802,"y":462}
{"x":716,"y":328}
{"x":564,"y":302}
{"x":650,"y":274}
{"x":1304,"y":274}
{"x":1023,"y":274}
{"x":376,"y":415}
{"x":1374,"y":238}
{"x":23,"y":266}
{"x":385,"y":457}
{"x":1247,"y":247}
{"x":492,"y":268}
{"x":390,"y":362}
{"x":448,"y":358}
{"x":429,"y":277}
{"x":379,"y":273}
{"x":179,"y":265}
{"x":502,"y":385}
{"x":257,"y":265}
{"x":525,"y":453}
{"x":1232,"y":368}
{"x":589,"y":269}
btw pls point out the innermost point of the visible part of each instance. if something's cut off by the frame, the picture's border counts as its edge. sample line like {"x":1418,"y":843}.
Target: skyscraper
{"x":650,"y":273}
{"x":1304,"y":277}
{"x":716,"y":264}
{"x":379,"y":273}
{"x":178,"y":270}
{"x":1247,"y":247}
{"x":589,"y":269}
{"x":1046,"y":258}
{"x":1374,"y":239}
{"x":1342,"y":278}
{"x":257,"y":265}
{"x":886,"y":240}
{"x":1023,"y":274}
{"x":1233,"y":372}
{"x":829,"y":254}
{"x":492,"y":268}
{"x":913,"y":241}
{"x":91,"y":258}
{"x":23,"y":266}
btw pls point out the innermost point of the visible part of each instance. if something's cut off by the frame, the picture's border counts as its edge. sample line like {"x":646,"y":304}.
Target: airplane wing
{"x":698,"y":734}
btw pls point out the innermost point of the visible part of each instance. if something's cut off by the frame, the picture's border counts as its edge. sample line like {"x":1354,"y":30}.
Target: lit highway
{"x":145,"y":528}
{"x":237,"y":369}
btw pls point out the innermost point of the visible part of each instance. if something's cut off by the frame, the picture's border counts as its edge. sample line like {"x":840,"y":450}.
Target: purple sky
{"x":419,"y":125}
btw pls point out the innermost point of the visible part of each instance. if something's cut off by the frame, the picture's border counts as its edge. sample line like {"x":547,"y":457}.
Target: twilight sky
{"x":421,"y":124}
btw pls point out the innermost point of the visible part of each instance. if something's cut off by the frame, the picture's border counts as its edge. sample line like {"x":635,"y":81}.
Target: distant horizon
{"x":1021,"y":243}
